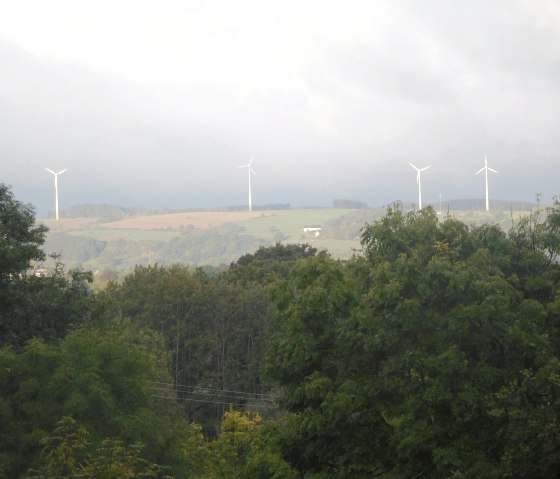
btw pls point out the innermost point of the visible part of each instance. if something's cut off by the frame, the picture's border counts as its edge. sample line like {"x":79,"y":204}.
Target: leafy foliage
{"x":279,"y":252}
{"x":64,"y":454}
{"x":30,"y":306}
{"x":434,"y":355}
{"x":99,"y":378}
{"x":20,"y":237}
{"x":214,"y":326}
{"x":244,"y":448}
{"x":47,"y":307}
{"x":269,"y":263}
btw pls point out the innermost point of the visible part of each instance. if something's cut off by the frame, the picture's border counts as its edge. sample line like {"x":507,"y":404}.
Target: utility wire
{"x":256,"y":406}
{"x":210,"y":389}
{"x":182,"y":393}
{"x":206,"y":390}
{"x":225,"y":397}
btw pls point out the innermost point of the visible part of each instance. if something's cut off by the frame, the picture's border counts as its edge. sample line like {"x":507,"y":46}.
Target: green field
{"x":289,"y":222}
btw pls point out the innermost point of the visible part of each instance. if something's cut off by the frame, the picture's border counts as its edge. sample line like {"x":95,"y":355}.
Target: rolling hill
{"x":120,"y":238}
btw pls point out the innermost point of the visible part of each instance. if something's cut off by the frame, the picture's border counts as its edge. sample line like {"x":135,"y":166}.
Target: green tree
{"x":65,"y":454}
{"x":30,"y":306}
{"x":333,"y":429}
{"x":269,"y":262}
{"x":105,"y":380}
{"x":20,"y":237}
{"x":434,"y":355}
{"x":244,"y":448}
{"x":47,"y":307}
{"x":213,"y":328}
{"x":20,"y":245}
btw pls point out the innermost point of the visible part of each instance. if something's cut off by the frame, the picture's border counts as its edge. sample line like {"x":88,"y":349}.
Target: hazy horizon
{"x":157,"y":105}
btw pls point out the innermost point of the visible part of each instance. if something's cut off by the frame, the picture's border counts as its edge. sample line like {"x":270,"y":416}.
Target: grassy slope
{"x":289,"y":222}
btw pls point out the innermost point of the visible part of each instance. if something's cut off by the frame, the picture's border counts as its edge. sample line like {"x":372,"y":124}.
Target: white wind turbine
{"x":418,"y":170}
{"x":56,"y":188}
{"x":486,"y":168}
{"x":249,"y":171}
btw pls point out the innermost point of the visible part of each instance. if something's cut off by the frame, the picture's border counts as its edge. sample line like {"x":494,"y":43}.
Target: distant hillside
{"x":108,"y":236}
{"x":106,"y":212}
{"x":470,"y":211}
{"x":349,"y":204}
{"x":195,"y":238}
{"x":478,"y":204}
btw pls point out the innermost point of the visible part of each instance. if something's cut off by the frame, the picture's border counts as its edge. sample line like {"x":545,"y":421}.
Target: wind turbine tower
{"x":56,"y":188}
{"x":249,"y":171}
{"x":419,"y":170}
{"x":486,"y":168}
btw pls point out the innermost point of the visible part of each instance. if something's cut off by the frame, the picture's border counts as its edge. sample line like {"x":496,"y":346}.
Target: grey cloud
{"x":442,"y":83}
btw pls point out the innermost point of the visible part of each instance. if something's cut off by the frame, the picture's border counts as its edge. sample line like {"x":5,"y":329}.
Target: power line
{"x":256,"y":406}
{"x":199,"y":392}
{"x":210,"y":389}
{"x":225,"y":397}
{"x":206,"y":390}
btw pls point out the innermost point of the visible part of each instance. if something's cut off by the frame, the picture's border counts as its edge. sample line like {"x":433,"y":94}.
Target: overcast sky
{"x":157,"y":103}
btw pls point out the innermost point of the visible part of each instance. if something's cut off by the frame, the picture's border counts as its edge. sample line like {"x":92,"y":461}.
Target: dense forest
{"x":433,"y":353}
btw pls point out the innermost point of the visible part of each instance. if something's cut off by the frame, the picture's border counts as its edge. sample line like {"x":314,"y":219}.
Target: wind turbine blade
{"x":254,"y":172}
{"x":243,"y":166}
{"x":494,"y":171}
{"x":251,"y":160}
{"x":60,"y":172}
{"x":50,"y":171}
{"x":418,"y":177}
{"x":425,"y":168}
{"x":479,"y":171}
{"x":413,"y":166}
